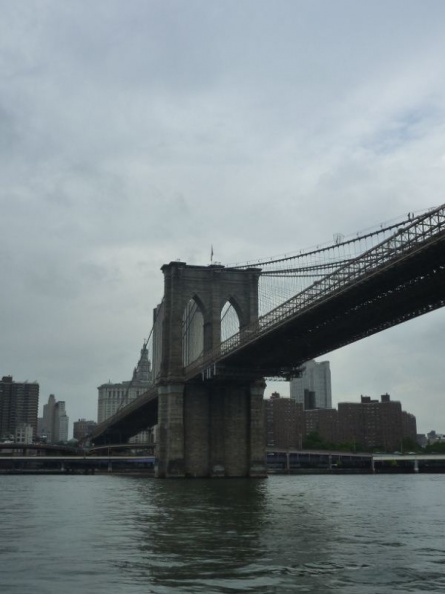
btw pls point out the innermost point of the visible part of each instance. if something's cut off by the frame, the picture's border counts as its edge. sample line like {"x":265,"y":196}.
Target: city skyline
{"x":269,"y":392}
{"x":134,"y":134}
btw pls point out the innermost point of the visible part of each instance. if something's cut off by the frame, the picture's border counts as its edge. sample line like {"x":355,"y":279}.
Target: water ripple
{"x":316,"y":534}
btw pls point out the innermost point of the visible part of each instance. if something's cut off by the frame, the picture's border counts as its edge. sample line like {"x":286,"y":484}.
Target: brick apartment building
{"x":372,"y":423}
{"x":323,"y":421}
{"x":82,"y":428}
{"x":284,"y":423}
{"x":368,"y":424}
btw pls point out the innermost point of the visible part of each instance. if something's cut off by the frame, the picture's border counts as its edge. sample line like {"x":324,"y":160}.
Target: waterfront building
{"x":434,"y":437}
{"x":284,"y":423}
{"x":372,"y":424}
{"x":323,"y":421}
{"x":366,"y":425}
{"x":19,"y":403}
{"x":82,"y":428}
{"x":409,"y":426}
{"x":421,"y":440}
{"x":114,"y":396}
{"x":313,"y":388}
{"x":23,"y":433}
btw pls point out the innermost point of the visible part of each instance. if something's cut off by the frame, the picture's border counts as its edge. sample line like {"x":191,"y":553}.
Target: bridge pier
{"x":211,"y":430}
{"x":258,"y":467}
{"x":170,"y":452}
{"x":207,"y":426}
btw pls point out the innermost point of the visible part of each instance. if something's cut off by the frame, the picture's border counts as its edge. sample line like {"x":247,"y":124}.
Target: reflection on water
{"x":203,"y":529}
{"x":348,"y":534}
{"x":229,"y":536}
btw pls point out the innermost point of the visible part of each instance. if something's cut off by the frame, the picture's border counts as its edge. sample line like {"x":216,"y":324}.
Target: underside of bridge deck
{"x":388,"y":297}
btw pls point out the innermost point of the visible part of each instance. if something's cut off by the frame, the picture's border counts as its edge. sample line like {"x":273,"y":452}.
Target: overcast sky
{"x":136,"y":133}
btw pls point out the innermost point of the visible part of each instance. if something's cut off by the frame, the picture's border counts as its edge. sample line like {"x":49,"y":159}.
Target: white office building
{"x":313,"y":388}
{"x":114,"y":396}
{"x":55,"y":422}
{"x":23,"y":433}
{"x":61,"y":421}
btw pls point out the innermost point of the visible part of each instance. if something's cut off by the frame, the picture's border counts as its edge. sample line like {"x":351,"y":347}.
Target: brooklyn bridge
{"x":220,"y":331}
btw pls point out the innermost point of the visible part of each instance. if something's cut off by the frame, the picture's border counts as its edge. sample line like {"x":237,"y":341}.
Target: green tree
{"x":438,"y":447}
{"x":313,"y":441}
{"x":410,"y":445}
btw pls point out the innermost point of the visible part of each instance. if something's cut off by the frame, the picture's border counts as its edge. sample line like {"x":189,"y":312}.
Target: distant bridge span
{"x":46,"y":448}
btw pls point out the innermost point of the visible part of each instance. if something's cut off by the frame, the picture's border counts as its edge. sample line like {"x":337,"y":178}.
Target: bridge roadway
{"x":406,"y":285}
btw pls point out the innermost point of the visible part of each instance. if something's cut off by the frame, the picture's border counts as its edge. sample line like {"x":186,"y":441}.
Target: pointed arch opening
{"x":192,"y":333}
{"x":230,"y":322}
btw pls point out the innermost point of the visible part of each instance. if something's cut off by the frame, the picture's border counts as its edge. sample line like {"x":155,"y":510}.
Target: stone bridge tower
{"x":215,"y":427}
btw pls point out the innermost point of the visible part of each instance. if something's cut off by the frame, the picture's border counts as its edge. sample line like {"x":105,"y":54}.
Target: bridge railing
{"x":419,"y":231}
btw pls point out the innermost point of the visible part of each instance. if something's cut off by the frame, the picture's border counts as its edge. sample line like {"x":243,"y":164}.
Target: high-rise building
{"x":409,"y":426}
{"x":114,"y":396}
{"x":47,"y":426}
{"x":54,"y":425}
{"x":313,"y":388}
{"x":61,"y":422}
{"x":374,"y":424}
{"x":19,"y":403}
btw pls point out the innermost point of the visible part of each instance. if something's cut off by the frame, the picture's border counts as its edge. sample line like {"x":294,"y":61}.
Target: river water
{"x":134,"y":535}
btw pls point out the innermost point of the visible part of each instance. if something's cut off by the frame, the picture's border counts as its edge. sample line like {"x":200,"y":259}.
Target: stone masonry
{"x":207,"y":428}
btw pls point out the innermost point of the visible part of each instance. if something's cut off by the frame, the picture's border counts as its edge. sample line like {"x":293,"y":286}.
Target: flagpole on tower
{"x":211,"y":254}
